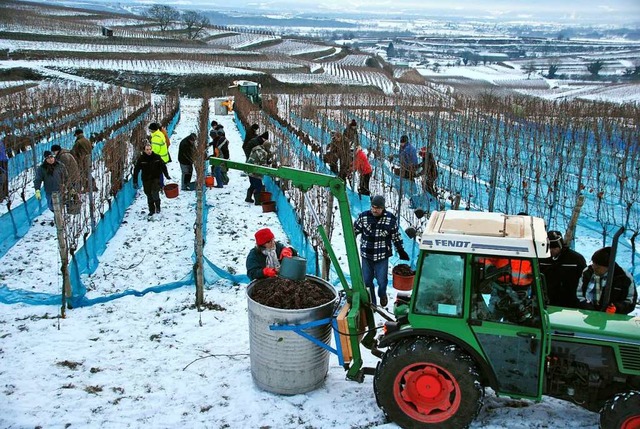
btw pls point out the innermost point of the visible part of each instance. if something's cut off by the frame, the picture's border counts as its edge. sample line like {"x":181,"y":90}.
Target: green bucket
{"x":294,"y":268}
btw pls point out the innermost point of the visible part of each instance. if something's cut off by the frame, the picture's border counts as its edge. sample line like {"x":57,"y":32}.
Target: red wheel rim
{"x":427,"y":392}
{"x":631,"y":423}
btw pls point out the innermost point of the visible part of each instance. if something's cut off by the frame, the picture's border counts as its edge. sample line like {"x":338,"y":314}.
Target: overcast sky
{"x":565,"y":8}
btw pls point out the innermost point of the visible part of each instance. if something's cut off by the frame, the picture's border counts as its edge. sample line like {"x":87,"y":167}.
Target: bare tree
{"x":195,"y":23}
{"x":529,"y":69}
{"x":595,"y":67}
{"x":552,"y":71}
{"x":164,"y":15}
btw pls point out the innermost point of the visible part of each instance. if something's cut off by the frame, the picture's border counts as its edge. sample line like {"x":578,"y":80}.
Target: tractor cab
{"x":250,"y":89}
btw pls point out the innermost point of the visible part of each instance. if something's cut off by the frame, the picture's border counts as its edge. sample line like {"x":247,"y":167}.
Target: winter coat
{"x":378,"y":233}
{"x":152,"y":166}
{"x":361,"y":163}
{"x":81,"y":151}
{"x":66,"y":157}
{"x":53,"y":175}
{"x":222,"y":145}
{"x":623,"y":292}
{"x":409,"y":157}
{"x":351,"y":136}
{"x":338,"y":155}
{"x":256,"y":141}
{"x":186,"y":151}
{"x":562,"y":276}
{"x":259,"y":156}
{"x":159,"y":145}
{"x":256,"y":260}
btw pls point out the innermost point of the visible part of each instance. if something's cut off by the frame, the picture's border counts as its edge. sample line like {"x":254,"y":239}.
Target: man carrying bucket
{"x":379,"y":229}
{"x":152,"y":167}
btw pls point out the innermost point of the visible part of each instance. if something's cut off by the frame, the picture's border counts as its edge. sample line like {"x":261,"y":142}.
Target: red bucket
{"x":171,"y":190}
{"x":265,"y":197}
{"x":208,"y":181}
{"x":269,"y":206}
{"x":402,"y":277}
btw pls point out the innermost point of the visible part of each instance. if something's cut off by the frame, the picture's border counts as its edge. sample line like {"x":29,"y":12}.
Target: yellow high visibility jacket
{"x":159,"y":145}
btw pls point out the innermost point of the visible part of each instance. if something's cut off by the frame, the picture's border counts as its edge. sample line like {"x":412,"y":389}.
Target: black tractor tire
{"x":426,"y":382}
{"x":621,"y":412}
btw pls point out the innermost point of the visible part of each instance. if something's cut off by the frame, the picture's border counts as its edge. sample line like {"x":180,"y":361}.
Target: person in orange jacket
{"x":363,"y":167}
{"x":264,"y":259}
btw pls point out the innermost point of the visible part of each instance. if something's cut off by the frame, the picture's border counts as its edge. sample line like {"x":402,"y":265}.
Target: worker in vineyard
{"x":562,"y":271}
{"x":81,"y":151}
{"x":379,"y":231}
{"x":252,"y":132}
{"x":159,"y":142}
{"x":591,"y":289}
{"x":362,"y":166}
{"x":430,"y":169}
{"x":53,"y":175}
{"x":186,"y":154}
{"x":257,"y":140}
{"x":350,"y":134}
{"x":338,"y":155}
{"x":260,"y":155}
{"x":152,"y":167}
{"x":220,"y":146}
{"x":408,"y":157}
{"x":264,"y":259}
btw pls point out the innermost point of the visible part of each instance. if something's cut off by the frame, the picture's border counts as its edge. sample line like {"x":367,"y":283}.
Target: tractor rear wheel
{"x":422,"y":382}
{"x":621,"y":412}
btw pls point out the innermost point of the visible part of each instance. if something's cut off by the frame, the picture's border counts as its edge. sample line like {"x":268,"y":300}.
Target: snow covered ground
{"x":155,"y":361}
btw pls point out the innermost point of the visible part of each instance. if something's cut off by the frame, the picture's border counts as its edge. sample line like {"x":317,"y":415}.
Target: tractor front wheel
{"x":621,"y":412}
{"x":422,"y":382}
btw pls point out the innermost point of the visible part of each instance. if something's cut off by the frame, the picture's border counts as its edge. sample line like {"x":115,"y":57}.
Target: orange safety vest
{"x":521,"y":270}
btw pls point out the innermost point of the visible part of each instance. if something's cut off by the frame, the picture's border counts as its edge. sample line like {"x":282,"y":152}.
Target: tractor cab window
{"x":440,"y":285}
{"x":503,"y":292}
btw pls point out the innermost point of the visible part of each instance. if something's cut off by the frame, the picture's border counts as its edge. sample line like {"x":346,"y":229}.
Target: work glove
{"x":38,"y":195}
{"x":402,"y":254}
{"x":611,"y":309}
{"x":287,"y":252}
{"x":269,"y":272}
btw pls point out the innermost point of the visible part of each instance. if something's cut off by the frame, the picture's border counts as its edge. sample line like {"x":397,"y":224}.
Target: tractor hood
{"x":594,"y":325}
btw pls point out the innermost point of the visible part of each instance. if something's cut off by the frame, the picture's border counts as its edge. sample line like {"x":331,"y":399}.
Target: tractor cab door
{"x":506,"y":316}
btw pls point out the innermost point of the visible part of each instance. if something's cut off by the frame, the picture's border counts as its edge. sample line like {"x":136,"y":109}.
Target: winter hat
{"x":55,"y":148}
{"x":263,"y":236}
{"x":47,"y":154}
{"x":78,"y":131}
{"x":353,"y":123}
{"x":255,"y":126}
{"x":377,"y":201}
{"x":404,"y":138}
{"x":154,"y":126}
{"x":265,"y":135}
{"x":555,"y":239}
{"x":601,"y":257}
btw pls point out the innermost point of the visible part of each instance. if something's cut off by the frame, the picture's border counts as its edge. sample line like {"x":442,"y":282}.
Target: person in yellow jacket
{"x":159,"y":142}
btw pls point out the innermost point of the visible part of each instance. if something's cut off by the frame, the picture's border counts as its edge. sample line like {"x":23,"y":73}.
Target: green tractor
{"x":250,"y":89}
{"x":467,"y":325}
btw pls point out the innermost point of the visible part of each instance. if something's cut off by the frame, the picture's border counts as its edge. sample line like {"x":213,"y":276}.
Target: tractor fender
{"x":484,"y":368}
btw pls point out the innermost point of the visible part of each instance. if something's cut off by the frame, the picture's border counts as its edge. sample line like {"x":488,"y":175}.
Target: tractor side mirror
{"x":419,"y":213}
{"x":411,"y":232}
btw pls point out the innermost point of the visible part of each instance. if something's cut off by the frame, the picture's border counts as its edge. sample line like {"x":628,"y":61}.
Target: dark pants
{"x":255,"y":187}
{"x":363,"y":184}
{"x":152,"y":191}
{"x":187,"y":173}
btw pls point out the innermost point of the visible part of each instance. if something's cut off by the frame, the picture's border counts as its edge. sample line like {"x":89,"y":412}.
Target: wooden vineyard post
{"x":64,"y":254}
{"x":571,"y":228}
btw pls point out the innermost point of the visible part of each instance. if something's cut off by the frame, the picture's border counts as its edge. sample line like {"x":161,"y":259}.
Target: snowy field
{"x":154,"y":361}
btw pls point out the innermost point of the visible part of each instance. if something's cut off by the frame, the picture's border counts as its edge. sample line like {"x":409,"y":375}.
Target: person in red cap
{"x":264,"y":259}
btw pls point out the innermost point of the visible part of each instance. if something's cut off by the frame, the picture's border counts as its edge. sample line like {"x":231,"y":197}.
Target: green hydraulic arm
{"x":356,"y":293}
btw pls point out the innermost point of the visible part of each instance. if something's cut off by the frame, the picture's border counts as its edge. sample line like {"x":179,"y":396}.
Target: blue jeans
{"x":50,"y":201}
{"x":378,"y":270}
